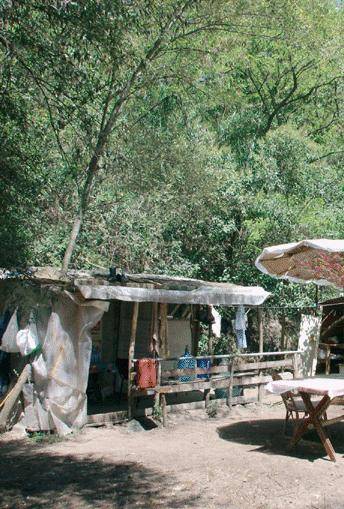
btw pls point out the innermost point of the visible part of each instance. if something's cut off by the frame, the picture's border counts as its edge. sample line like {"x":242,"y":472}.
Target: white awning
{"x":217,"y":294}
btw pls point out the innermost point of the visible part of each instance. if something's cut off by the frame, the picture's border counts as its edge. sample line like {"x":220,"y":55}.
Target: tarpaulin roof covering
{"x":100,"y":285}
{"x":319,"y":261}
{"x":206,"y":293}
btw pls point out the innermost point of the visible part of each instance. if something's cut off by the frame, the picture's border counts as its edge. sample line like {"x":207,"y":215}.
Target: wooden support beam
{"x":230,"y":386}
{"x":210,"y":332}
{"x":154,"y":345}
{"x":131,"y":355}
{"x":260,"y":329}
{"x":163,"y":333}
{"x":157,"y":396}
{"x":13,"y":397}
{"x":283,"y":344}
{"x":195,"y":328}
{"x":261,"y":349}
{"x":210,"y":339}
{"x":164,"y":409}
{"x":296,"y":366}
{"x":261,"y":390}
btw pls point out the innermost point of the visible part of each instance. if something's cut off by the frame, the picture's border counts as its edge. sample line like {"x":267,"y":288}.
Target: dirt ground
{"x":235,"y":460}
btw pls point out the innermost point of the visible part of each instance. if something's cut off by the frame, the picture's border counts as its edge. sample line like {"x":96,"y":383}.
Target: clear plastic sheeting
{"x":27,"y":339}
{"x":55,"y":398}
{"x":217,"y":294}
{"x":9,"y":338}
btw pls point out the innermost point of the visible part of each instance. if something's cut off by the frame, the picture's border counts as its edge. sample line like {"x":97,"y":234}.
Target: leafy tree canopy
{"x":170,"y":136}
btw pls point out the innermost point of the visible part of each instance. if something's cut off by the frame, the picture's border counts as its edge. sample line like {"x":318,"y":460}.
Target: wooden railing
{"x":244,"y":370}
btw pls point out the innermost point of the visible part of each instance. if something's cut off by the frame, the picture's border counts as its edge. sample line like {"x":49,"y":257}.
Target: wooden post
{"x":210,"y":331}
{"x":328,"y":360}
{"x":261,"y":349}
{"x":195,"y":328}
{"x":210,"y":340}
{"x":230,"y":387}
{"x":164,"y":409}
{"x":154,"y":345}
{"x":283,"y":345}
{"x":158,"y":378}
{"x":13,"y":396}
{"x":260,"y":329}
{"x":131,"y":356}
{"x":158,"y":400}
{"x":163,"y":330}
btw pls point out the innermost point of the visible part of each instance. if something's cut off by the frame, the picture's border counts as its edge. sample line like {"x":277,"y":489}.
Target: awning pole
{"x":131,"y":355}
{"x":195,"y":328}
{"x":163,"y":335}
{"x":261,"y":349}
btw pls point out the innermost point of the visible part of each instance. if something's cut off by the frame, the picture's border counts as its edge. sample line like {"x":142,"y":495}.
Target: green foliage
{"x":212,"y":409}
{"x":230,"y":139}
{"x":45,"y":437}
{"x":224,"y":344}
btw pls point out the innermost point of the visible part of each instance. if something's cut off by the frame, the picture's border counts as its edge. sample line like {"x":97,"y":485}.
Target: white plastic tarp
{"x":9,"y":338}
{"x":27,"y":338}
{"x":55,"y":398}
{"x":218,"y":295}
{"x":308,"y":343}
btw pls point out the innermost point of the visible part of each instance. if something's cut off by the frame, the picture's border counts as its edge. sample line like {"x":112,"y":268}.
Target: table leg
{"x":315,"y":413}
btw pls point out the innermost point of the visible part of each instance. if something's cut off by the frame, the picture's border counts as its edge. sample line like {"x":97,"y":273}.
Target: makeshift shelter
{"x":54,"y":316}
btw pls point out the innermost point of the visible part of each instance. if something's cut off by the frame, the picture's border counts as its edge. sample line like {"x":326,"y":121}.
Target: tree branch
{"x":108,"y":126}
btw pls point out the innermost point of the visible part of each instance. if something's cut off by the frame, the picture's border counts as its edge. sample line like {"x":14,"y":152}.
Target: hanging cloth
{"x":240,"y":325}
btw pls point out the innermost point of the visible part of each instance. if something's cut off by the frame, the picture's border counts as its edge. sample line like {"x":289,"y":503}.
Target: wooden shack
{"x":98,"y":325}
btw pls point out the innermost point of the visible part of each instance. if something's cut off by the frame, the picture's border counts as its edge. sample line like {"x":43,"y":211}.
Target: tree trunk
{"x":107,"y":127}
{"x":72,"y":242}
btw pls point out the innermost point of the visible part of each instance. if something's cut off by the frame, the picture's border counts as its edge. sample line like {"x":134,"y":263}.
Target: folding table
{"x":329,"y":388}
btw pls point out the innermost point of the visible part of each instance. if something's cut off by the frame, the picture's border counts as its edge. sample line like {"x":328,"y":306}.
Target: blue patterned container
{"x":205,"y":364}
{"x":186,"y":362}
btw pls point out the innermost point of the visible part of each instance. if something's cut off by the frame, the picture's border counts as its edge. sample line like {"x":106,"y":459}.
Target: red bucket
{"x":146,"y":373}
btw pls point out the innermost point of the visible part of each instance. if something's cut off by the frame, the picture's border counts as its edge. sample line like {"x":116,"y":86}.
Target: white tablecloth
{"x":332,"y":387}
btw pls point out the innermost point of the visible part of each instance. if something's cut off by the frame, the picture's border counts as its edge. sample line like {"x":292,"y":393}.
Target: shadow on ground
{"x":31,"y":477}
{"x":267,"y":437}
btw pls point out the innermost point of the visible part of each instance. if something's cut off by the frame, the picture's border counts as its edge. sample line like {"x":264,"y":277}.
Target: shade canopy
{"x":103,"y":285}
{"x":183,"y":291}
{"x":319,"y":261}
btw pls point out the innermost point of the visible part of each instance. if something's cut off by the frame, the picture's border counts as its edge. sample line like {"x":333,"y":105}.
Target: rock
{"x":134,"y":426}
{"x":18,"y":431}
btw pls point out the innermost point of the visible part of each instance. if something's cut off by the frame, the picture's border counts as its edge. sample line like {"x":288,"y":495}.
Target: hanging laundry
{"x":240,"y":326}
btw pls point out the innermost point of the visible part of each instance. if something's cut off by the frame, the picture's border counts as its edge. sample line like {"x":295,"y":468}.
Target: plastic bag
{"x":9,"y":343}
{"x":27,"y":339}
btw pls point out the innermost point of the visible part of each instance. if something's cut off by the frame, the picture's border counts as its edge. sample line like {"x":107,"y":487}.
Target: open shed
{"x":72,"y":326}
